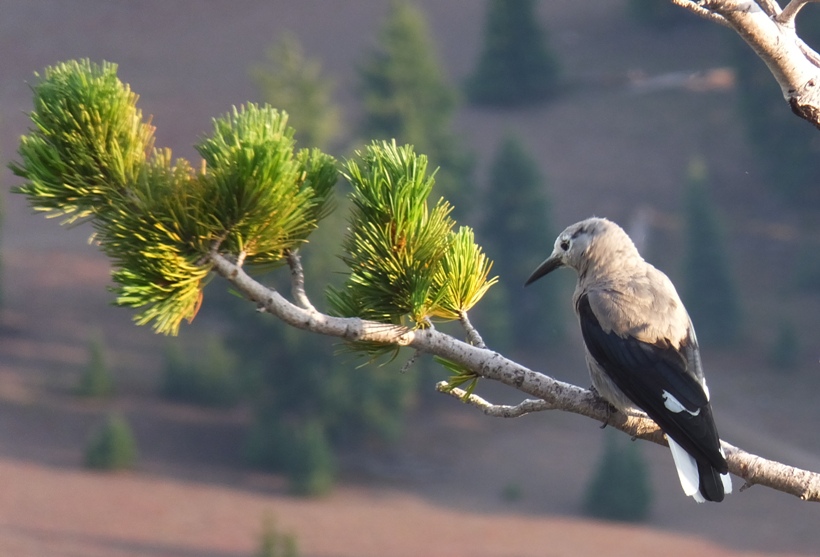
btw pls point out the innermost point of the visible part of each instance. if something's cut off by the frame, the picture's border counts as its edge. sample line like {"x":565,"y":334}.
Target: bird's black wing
{"x":644,"y":371}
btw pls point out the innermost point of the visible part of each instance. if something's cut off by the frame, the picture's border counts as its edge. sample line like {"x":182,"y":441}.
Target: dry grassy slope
{"x":606,"y":151}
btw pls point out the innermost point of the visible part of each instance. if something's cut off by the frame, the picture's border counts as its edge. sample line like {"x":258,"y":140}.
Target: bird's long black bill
{"x":544,"y":268}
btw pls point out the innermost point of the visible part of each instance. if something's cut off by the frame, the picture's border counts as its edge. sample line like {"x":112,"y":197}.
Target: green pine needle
{"x":90,"y":156}
{"x":264,"y":199}
{"x":89,"y":140}
{"x":462,"y":276}
{"x":460,"y":376}
{"x":395,"y":241}
{"x":406,"y":263}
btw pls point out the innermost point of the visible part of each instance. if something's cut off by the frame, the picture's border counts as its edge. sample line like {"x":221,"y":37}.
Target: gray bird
{"x":641,"y":348}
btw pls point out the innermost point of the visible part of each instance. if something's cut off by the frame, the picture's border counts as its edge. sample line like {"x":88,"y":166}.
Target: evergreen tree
{"x":209,"y":378}
{"x":294,"y":83}
{"x":406,"y":97}
{"x":784,"y":354}
{"x":709,"y":291}
{"x":275,"y":543}
{"x":517,"y":226}
{"x":96,"y":380}
{"x":516,"y":66}
{"x":620,"y":488}
{"x":113,"y":446}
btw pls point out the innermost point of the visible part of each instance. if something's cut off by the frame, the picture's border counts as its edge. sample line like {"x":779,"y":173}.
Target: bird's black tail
{"x":710,"y":481}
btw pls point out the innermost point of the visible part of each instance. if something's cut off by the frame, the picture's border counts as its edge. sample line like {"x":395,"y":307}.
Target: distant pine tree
{"x":96,"y":380}
{"x":406,"y":97}
{"x":113,"y":447}
{"x":784,"y":354}
{"x":516,"y":66}
{"x":210,"y":378}
{"x":314,"y":467}
{"x":620,"y":488}
{"x":516,"y":231}
{"x":290,"y":81}
{"x":275,"y":543}
{"x":709,"y":290}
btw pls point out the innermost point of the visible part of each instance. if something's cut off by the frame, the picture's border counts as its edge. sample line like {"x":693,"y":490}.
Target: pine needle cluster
{"x":90,"y":157}
{"x":407,"y":264}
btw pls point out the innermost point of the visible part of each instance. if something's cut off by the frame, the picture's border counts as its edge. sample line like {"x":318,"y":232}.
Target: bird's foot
{"x":610,"y":409}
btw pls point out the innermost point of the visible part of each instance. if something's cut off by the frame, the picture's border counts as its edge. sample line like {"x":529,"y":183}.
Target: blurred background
{"x":241,"y":437}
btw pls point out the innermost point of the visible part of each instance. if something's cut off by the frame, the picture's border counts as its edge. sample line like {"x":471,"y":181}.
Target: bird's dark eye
{"x":565,"y":245}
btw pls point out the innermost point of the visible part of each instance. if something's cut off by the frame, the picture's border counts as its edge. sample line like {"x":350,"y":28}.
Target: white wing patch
{"x":687,"y":471}
{"x":725,"y":478}
{"x":673,"y":405}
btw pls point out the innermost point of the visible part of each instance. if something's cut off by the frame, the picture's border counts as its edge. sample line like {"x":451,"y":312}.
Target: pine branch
{"x":556,"y":395}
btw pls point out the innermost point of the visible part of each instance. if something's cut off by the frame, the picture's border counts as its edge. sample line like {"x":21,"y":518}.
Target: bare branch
{"x":472,"y":333}
{"x":698,"y":10}
{"x":555,"y":394}
{"x":786,"y":17}
{"x":297,"y":280}
{"x":496,"y":410}
{"x":771,"y":34}
{"x":760,"y":471}
{"x":410,"y":362}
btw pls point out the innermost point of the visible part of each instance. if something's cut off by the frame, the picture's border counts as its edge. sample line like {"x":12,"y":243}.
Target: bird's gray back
{"x":635,"y":299}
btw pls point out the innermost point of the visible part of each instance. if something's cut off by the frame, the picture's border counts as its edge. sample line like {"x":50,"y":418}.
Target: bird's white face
{"x":572,"y":244}
{"x":569,"y":249}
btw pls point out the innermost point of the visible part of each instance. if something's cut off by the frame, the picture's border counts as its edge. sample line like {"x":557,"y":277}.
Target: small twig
{"x":786,"y":17}
{"x":240,"y":259}
{"x":495,"y":410}
{"x":700,"y":11}
{"x":771,"y":7}
{"x":472,"y":334}
{"x":410,"y":362}
{"x":297,"y":280}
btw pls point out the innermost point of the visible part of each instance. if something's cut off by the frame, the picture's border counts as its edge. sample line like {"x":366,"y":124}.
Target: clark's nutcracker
{"x":641,"y":348}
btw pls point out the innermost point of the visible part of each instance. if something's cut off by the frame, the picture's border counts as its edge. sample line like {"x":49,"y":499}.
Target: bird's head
{"x":583,"y":244}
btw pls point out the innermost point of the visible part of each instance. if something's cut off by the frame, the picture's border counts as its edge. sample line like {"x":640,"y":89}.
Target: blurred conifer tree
{"x":516,"y":231}
{"x":620,"y":487}
{"x":517,"y":65}
{"x":406,"y":97}
{"x":709,"y":290}
{"x":292,"y":82}
{"x":96,"y":380}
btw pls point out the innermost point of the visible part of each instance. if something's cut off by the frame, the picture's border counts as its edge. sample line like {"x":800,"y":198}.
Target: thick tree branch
{"x":771,"y":34}
{"x":555,"y":394}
